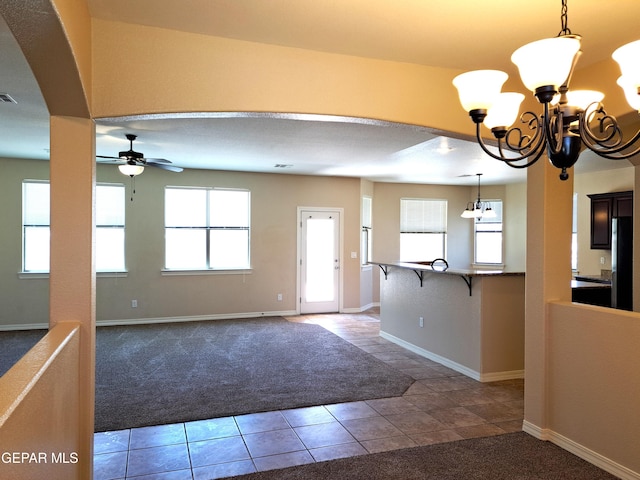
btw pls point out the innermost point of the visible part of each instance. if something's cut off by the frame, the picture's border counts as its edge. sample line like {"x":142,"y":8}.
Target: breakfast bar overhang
{"x":470,"y":320}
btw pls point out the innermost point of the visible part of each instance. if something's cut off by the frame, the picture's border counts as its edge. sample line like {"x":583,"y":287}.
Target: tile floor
{"x":441,"y":406}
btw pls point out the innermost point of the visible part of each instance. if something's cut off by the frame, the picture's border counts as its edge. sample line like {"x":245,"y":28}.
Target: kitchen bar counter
{"x":441,"y":267}
{"x":477,"y":331}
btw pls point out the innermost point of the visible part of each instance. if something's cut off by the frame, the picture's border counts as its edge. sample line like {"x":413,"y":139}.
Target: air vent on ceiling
{"x":283,"y":165}
{"x":6,"y":98}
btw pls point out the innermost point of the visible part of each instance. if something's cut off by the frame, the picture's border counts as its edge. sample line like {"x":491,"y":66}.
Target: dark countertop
{"x":577,"y":284}
{"x":440,"y":268}
{"x":593,"y":279}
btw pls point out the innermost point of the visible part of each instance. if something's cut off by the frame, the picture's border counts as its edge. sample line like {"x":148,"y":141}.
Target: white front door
{"x":319,"y":261}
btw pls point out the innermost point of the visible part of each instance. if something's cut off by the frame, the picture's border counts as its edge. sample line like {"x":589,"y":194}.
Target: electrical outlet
{"x":279,"y":297}
{"x":601,"y":260}
{"x":421,"y":322}
{"x":134,"y":303}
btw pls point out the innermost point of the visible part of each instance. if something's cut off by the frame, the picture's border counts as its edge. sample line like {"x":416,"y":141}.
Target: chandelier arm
{"x":553,"y":127}
{"x":534,"y":150}
{"x":529,"y":163}
{"x":607,"y":123}
{"x":525,"y":143}
{"x":610,"y":145}
{"x":615,"y":153}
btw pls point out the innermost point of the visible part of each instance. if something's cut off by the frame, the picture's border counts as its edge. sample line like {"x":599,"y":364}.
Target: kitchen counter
{"x":593,"y":279}
{"x":591,"y":292}
{"x":440,"y":266}
{"x":477,"y":331}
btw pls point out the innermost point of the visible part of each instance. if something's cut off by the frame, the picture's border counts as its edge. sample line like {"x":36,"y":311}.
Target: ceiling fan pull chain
{"x":133,"y":186}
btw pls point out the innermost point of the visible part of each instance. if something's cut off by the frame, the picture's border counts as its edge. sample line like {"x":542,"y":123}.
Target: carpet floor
{"x":170,"y":373}
{"x":514,"y":456}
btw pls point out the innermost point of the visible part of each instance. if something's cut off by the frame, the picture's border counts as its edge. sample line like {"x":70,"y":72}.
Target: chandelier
{"x":569,"y":120}
{"x":478,"y":209}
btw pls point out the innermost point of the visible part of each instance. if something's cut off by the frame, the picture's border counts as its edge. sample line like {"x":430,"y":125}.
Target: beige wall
{"x":515,"y":226}
{"x":594,"y":385}
{"x":171,"y":71}
{"x":275,"y":198}
{"x":386,"y":217}
{"x":386,"y":220}
{"x":273,"y":248}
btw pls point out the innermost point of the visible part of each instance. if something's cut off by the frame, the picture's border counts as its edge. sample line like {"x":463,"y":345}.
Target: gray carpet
{"x":14,"y":344}
{"x":169,"y":373}
{"x":514,"y":456}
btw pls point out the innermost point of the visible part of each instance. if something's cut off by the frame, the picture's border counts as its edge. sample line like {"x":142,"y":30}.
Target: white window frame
{"x":422,"y":216}
{"x":44,"y":223}
{"x":206,"y":227}
{"x":497,"y":206}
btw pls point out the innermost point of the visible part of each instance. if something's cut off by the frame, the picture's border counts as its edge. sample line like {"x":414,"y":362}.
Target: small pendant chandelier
{"x":570,"y":119}
{"x":478,"y":209}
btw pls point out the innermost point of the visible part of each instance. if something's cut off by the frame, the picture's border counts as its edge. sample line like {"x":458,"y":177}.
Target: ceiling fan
{"x":132,"y":163}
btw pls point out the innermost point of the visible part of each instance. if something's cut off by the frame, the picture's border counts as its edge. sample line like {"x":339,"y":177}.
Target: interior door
{"x":319,"y":261}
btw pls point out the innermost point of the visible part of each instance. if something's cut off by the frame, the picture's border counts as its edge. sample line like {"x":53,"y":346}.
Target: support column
{"x":548,"y":278}
{"x":72,"y":278}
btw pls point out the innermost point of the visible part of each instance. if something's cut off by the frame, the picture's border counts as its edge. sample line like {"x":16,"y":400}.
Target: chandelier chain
{"x":564,"y":20}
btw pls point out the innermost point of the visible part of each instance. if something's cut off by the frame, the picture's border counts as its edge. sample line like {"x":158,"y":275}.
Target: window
{"x":207,"y":228}
{"x":36,"y":227}
{"x":365,"y":247}
{"x":488,"y":236}
{"x":423,"y":229}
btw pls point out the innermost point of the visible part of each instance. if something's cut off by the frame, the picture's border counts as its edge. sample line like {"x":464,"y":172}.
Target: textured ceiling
{"x":454,"y":34}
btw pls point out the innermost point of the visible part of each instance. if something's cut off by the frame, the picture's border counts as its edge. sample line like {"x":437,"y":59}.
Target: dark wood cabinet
{"x":605,"y":207}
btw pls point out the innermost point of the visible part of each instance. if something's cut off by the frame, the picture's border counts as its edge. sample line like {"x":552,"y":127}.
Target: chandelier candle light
{"x":570,"y":119}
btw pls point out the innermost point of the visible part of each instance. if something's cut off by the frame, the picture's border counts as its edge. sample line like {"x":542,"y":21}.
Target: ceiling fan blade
{"x":170,"y":168}
{"x":156,"y":160}
{"x":106,"y":156}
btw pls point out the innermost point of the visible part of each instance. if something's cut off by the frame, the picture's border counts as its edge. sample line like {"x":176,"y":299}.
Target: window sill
{"x":30,"y":275}
{"x":169,"y":273}
{"x":488,"y":266}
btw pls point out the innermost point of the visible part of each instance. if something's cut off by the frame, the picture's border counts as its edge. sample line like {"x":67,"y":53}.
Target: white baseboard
{"x":188,"y":318}
{"x":431,"y":356}
{"x":140,"y":321}
{"x":581,"y":451}
{"x":361,"y":309}
{"x":24,"y":326}
{"x":194,"y":318}
{"x":481,"y":377}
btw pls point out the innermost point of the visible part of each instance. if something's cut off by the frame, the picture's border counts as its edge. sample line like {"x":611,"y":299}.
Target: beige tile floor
{"x":441,"y":406}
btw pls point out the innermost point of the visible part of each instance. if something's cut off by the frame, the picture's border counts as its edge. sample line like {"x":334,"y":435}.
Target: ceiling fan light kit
{"x":131,"y":170}
{"x":132,"y":163}
{"x":570,"y":119}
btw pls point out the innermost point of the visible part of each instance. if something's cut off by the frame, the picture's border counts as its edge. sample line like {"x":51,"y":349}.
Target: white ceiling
{"x":437,"y":33}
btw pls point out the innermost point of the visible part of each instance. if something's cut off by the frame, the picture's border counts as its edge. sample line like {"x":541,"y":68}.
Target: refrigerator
{"x":622,"y":263}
